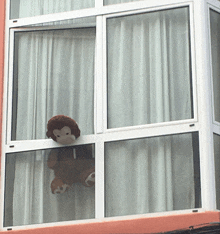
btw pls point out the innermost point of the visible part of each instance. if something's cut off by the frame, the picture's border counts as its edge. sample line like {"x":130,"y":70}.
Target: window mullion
{"x":99,"y":77}
{"x":99,"y":187}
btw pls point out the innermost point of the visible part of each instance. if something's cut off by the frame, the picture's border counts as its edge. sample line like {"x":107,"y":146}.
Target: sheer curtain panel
{"x":149,"y":70}
{"x":28,"y":8}
{"x":109,"y":2}
{"x":29,"y":199}
{"x":53,"y":74}
{"x":152,"y":175}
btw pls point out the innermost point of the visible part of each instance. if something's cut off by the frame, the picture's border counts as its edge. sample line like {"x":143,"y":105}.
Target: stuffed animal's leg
{"x":57,"y":186}
{"x":87,"y":177}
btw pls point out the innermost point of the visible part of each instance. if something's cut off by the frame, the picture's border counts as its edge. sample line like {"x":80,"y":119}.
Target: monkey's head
{"x":62,"y":129}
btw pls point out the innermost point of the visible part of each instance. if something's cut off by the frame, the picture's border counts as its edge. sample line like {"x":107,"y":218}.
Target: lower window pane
{"x":152,"y":175}
{"x":29,"y":197}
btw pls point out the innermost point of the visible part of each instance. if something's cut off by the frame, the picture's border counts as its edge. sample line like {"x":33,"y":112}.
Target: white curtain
{"x":149,"y":81}
{"x":109,"y":2}
{"x":149,"y":68}
{"x":28,"y":8}
{"x":54,"y":75}
{"x":150,"y":175}
{"x":29,"y":198}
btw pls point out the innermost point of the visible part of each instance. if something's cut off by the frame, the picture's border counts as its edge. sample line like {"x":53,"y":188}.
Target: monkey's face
{"x":64,"y":136}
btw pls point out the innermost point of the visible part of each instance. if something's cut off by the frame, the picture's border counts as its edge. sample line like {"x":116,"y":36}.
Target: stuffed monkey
{"x":70,"y":164}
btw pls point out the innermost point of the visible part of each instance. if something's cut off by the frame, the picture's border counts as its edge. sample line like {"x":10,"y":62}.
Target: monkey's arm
{"x":52,"y":159}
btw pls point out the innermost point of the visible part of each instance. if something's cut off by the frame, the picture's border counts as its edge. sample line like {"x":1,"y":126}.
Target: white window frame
{"x":202,"y":101}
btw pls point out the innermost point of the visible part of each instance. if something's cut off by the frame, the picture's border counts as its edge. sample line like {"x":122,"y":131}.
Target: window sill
{"x":140,"y":224}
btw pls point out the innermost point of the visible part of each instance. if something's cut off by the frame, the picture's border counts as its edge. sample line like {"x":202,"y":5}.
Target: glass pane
{"x":152,"y":175}
{"x":53,"y":74}
{"x":149,"y":79}
{"x":215,"y":44}
{"x":110,"y":2}
{"x":28,"y":8}
{"x":28,"y":192}
{"x":217,"y":169}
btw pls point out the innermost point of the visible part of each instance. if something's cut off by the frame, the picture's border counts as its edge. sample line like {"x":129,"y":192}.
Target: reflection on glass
{"x":53,"y":74}
{"x":49,"y":186}
{"x":24,"y":8}
{"x":215,"y":39}
{"x":152,"y":175}
{"x":217,"y":169}
{"x":149,"y":79}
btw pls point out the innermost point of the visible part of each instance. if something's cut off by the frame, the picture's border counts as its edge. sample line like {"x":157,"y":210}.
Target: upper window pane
{"x":53,"y":74}
{"x":215,"y":44}
{"x":28,"y":8}
{"x":149,"y":70}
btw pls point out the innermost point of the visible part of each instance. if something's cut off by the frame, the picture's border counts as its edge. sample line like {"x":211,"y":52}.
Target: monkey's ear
{"x":76,"y":130}
{"x":49,"y":134}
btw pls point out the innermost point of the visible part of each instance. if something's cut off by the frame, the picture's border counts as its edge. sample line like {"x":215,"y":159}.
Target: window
{"x":130,"y":77}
